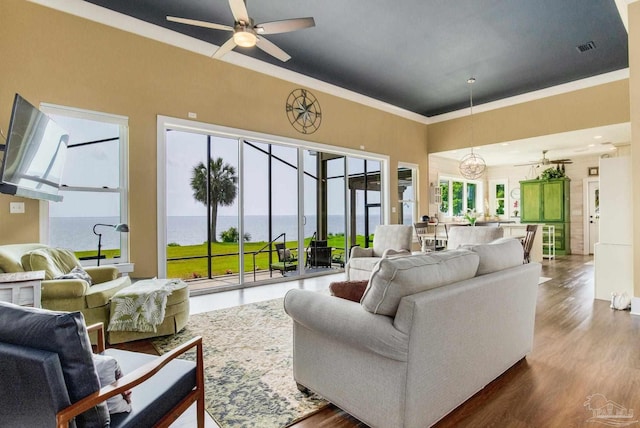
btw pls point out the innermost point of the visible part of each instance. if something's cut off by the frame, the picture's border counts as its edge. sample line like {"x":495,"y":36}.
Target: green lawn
{"x":225,"y":257}
{"x":225,"y":260}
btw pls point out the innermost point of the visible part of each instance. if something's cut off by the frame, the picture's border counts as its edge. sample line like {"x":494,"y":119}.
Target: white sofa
{"x":430,"y":331}
{"x":462,"y":235}
{"x":388,"y":240}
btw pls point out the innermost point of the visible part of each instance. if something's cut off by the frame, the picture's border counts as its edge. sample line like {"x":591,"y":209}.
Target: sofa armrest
{"x":63,"y":288}
{"x":100,"y":274}
{"x":348,"y":322}
{"x":138,"y":376}
{"x":361,"y":252}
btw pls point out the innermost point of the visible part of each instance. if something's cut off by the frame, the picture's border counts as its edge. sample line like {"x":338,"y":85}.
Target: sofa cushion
{"x":157,"y":395}
{"x":458,"y":236}
{"x":394,"y":278}
{"x":54,"y":262}
{"x":497,"y":255}
{"x":100,"y":294}
{"x":37,"y":404}
{"x":65,"y":334}
{"x":360,"y":268}
{"x":10,"y":256}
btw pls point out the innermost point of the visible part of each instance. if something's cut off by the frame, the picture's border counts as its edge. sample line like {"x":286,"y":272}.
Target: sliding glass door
{"x":270,"y":218}
{"x":234,"y":213}
{"x":202,"y":233}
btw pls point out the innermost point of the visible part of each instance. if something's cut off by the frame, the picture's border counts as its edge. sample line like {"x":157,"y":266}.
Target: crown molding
{"x":123,"y":22}
{"x":127,"y":23}
{"x":576,"y":85}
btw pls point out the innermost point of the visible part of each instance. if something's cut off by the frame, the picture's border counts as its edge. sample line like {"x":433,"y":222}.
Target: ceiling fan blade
{"x":226,"y":47}
{"x":285,"y":25}
{"x":272,"y":49}
{"x":239,"y":10}
{"x":199,"y":23}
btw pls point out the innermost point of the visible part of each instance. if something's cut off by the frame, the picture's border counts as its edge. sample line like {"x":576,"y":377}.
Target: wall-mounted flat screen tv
{"x":34,"y":154}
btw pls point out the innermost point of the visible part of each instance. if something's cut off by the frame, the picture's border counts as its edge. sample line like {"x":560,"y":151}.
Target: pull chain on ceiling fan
{"x":248,"y":34}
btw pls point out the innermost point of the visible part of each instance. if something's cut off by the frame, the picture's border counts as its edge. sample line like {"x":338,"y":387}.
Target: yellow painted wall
{"x":49,"y":56}
{"x":586,"y":108}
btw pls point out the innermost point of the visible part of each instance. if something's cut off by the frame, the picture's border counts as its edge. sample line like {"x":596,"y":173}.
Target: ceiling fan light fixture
{"x":244,"y":38}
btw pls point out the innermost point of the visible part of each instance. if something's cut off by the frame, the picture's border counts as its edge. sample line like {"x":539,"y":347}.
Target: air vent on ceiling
{"x":586,"y":47}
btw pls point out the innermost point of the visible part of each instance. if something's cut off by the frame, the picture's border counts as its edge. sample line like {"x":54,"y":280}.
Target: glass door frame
{"x":166,"y":122}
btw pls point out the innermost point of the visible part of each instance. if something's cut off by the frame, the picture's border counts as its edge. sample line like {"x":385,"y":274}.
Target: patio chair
{"x":287,"y":260}
{"x":318,"y":254}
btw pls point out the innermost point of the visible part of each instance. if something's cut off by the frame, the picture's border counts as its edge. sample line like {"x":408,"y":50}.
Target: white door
{"x":594,"y":213}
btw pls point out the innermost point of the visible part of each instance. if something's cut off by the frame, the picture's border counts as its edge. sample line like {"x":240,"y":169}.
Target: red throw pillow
{"x":350,"y":290}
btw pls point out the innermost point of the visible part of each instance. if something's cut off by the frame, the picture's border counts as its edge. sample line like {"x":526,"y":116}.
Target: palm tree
{"x":222,"y":187}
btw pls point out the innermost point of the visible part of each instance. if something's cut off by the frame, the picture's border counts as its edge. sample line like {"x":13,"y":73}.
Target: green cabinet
{"x":547,"y":201}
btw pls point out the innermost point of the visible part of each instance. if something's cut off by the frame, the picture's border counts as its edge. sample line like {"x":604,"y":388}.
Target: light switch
{"x":16,"y":207}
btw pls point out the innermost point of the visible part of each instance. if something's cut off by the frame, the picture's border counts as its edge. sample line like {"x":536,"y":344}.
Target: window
{"x":407,"y":179}
{"x":498,"y":198}
{"x":459,"y":196}
{"x":94,"y":185}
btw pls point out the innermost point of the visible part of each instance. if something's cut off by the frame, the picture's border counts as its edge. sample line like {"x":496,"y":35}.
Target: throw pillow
{"x":285,"y":255}
{"x":350,"y":290}
{"x":109,"y":371}
{"x":76,"y":273}
{"x":53,"y":261}
{"x":497,"y":255}
{"x":397,"y":277}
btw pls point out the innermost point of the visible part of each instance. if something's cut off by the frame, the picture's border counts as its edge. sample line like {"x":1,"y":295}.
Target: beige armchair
{"x":66,"y":294}
{"x":388,"y":240}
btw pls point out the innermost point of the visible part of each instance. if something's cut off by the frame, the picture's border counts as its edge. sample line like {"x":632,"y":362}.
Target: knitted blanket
{"x":141,"y":306}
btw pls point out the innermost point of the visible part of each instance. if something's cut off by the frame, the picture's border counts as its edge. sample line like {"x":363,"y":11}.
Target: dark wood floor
{"x":582,"y":347}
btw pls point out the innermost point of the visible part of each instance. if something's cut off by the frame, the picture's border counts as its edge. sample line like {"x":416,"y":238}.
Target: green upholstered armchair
{"x":66,"y":294}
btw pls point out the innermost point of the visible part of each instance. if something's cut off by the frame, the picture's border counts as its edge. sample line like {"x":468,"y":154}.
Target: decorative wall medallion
{"x":303,"y":111}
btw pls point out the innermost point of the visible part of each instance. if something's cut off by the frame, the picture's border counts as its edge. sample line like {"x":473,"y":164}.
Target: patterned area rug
{"x":248,"y":365}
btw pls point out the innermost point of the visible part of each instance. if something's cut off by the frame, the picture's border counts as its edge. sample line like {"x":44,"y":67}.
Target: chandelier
{"x":472,"y":166}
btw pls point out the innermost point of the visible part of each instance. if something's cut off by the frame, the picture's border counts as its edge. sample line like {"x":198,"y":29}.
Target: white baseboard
{"x":635,"y":306}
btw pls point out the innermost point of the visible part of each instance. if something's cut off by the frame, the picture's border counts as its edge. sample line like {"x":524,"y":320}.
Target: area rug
{"x":248,"y":365}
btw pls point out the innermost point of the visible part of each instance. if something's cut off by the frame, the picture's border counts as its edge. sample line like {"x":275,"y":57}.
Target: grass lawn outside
{"x":190,"y":261}
{"x":225,"y":257}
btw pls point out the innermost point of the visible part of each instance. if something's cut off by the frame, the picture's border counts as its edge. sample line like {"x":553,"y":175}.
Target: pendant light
{"x":472,"y":166}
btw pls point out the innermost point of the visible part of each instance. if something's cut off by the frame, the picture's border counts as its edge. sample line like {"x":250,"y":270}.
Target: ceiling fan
{"x":546,"y":161}
{"x":247,"y":34}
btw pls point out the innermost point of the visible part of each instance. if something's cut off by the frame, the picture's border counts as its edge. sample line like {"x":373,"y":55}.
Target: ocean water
{"x":77,"y":232}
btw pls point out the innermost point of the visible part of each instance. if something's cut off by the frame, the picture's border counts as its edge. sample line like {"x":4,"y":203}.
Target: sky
{"x":93,"y":165}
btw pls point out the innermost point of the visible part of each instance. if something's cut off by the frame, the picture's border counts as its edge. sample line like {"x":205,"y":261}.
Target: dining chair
{"x":527,"y":241}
